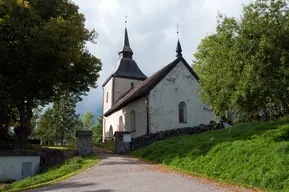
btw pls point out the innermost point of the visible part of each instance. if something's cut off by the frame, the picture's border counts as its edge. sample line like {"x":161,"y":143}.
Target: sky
{"x":152,"y":33}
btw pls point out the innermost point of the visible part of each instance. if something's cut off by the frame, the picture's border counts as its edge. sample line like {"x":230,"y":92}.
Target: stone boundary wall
{"x":146,"y":140}
{"x":51,"y":157}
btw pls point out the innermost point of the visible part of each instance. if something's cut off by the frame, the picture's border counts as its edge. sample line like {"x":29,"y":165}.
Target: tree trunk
{"x":62,"y":138}
{"x":4,"y":120}
{"x":24,"y":130}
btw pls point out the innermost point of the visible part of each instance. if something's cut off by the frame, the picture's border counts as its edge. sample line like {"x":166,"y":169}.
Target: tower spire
{"x":126,"y":50}
{"x":179,"y":48}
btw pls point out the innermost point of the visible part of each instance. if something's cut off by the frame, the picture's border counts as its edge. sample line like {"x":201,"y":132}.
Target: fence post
{"x":84,"y":142}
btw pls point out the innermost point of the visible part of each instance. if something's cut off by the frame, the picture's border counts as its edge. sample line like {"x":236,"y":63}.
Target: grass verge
{"x":255,"y":154}
{"x":57,"y":173}
{"x":60,"y":147}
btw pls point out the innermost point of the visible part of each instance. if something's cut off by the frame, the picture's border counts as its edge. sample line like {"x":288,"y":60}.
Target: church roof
{"x":126,"y":66}
{"x":147,"y":85}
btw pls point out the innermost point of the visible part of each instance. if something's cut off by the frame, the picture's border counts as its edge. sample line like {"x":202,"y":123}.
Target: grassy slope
{"x":251,"y":154}
{"x":64,"y":147}
{"x":62,"y":171}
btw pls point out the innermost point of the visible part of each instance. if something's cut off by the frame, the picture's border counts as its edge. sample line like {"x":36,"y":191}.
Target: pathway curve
{"x":124,"y":174}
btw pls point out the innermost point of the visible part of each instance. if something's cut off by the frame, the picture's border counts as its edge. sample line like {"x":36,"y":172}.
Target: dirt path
{"x":123,"y":174}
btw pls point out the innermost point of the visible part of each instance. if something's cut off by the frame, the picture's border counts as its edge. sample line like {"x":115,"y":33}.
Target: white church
{"x":168,"y":99}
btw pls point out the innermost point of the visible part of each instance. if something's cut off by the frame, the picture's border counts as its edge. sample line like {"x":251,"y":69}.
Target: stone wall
{"x":51,"y":157}
{"x":146,"y":140}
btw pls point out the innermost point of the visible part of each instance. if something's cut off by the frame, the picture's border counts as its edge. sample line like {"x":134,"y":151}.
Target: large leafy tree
{"x":59,"y":123}
{"x":97,"y":130}
{"x":65,"y":119}
{"x":43,"y":54}
{"x":243,"y":67}
{"x":46,"y":130}
{"x":88,"y":120}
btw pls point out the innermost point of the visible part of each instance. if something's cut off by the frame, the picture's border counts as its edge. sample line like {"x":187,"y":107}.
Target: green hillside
{"x":254,"y":154}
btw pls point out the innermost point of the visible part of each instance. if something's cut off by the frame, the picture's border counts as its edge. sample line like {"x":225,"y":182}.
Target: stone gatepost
{"x":84,"y":142}
{"x":122,"y":142}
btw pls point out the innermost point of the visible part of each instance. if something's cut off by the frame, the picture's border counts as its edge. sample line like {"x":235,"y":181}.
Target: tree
{"x":88,"y":120}
{"x":243,"y":67}
{"x":60,"y":123}
{"x":35,"y":119}
{"x":97,"y":131}
{"x":43,"y":55}
{"x":46,"y":131}
{"x":65,"y":118}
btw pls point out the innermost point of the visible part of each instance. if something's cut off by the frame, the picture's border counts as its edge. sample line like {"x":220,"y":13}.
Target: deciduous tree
{"x":243,"y":67}
{"x":88,"y":120}
{"x":43,"y":54}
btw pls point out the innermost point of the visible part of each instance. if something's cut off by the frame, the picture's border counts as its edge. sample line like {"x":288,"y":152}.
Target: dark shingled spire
{"x":179,"y":50}
{"x":126,"y":67}
{"x":126,"y":50}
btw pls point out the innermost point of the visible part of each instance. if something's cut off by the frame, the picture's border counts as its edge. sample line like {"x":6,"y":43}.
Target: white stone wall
{"x":107,"y":89}
{"x":179,"y":85}
{"x":11,"y":166}
{"x":141,"y":121}
{"x":122,"y":86}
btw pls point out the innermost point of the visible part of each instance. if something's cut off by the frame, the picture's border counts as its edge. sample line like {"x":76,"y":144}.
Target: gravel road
{"x":124,"y":174}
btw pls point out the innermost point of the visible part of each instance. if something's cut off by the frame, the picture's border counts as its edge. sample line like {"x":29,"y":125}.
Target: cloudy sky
{"x":152,"y":32}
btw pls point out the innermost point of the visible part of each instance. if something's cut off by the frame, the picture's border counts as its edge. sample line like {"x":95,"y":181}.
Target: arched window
{"x":106,"y":96}
{"x":132,"y":121}
{"x":132,"y":85}
{"x":110,"y":133}
{"x":120,"y":124}
{"x":182,"y":112}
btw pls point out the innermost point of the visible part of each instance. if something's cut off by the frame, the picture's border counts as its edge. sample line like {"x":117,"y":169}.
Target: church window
{"x":132,"y":85}
{"x":110,"y":133}
{"x":132,"y":121}
{"x":106,"y":96}
{"x":120,"y":124}
{"x":182,"y":112}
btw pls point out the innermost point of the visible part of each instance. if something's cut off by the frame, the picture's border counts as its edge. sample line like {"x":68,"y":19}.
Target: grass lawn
{"x":255,"y":154}
{"x":60,"y":147}
{"x":62,"y":171}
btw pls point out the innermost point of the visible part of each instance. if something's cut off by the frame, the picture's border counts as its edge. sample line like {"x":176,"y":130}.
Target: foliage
{"x":60,"y":123}
{"x":243,"y":67}
{"x":35,"y":118}
{"x":97,"y":131}
{"x":46,"y":130}
{"x":64,"y":147}
{"x":60,"y":172}
{"x":88,"y":120}
{"x":65,"y":118}
{"x":43,"y":55}
{"x":253,"y":154}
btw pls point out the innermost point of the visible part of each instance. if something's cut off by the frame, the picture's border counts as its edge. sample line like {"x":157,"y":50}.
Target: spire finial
{"x":125,"y":20}
{"x":126,"y":50}
{"x":178,"y":26}
{"x":179,"y":48}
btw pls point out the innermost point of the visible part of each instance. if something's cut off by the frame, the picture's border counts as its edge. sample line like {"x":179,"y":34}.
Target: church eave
{"x":123,"y":76}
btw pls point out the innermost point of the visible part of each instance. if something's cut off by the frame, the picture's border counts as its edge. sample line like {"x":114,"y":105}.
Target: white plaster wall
{"x":122,"y":86}
{"x":141,"y":119}
{"x":179,"y":85}
{"x":11,"y":166}
{"x":107,"y":88}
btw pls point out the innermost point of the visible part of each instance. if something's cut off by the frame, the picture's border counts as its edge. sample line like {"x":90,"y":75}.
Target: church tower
{"x":126,"y":75}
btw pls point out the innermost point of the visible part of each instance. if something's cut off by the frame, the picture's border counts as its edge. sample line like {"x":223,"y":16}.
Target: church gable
{"x":175,"y":100}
